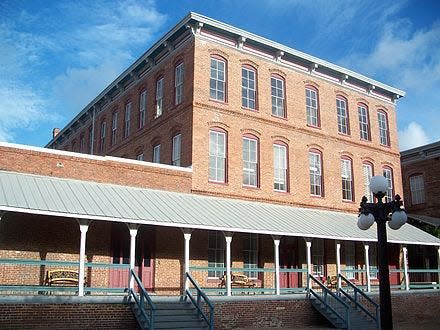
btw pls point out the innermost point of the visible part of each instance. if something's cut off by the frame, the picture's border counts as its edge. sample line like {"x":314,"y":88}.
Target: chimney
{"x":55,"y":132}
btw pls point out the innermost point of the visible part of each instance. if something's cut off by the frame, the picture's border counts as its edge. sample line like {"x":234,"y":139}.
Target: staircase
{"x":346,"y":309}
{"x":186,"y":312}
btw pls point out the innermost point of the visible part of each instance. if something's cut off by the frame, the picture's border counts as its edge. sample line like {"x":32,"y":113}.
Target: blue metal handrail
{"x":328,"y":293}
{"x":197,"y":304}
{"x":143,"y":299}
{"x":355,"y":299}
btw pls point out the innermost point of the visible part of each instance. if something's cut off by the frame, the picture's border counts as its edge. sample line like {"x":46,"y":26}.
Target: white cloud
{"x":412,"y":136}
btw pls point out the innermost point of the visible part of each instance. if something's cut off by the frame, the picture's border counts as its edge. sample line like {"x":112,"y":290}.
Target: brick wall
{"x":97,"y":169}
{"x":300,"y":138}
{"x":66,"y":316}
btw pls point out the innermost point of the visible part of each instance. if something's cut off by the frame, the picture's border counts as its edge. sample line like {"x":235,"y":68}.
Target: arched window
{"x":367,"y":173}
{"x":142,"y":108}
{"x":177,"y":149}
{"x":364,"y":122}
{"x":249,"y":87}
{"x":388,"y":174}
{"x":114,"y":127}
{"x":218,"y":78}
{"x":102,"y":136}
{"x":316,"y":173}
{"x":250,"y":161}
{"x":312,"y":107}
{"x":127,"y":120}
{"x":280,"y":166}
{"x":277,"y":87}
{"x":178,"y":83}
{"x":217,"y":155}
{"x":383,"y":128}
{"x":342,"y":112}
{"x":347,"y":179}
{"x":159,"y":97}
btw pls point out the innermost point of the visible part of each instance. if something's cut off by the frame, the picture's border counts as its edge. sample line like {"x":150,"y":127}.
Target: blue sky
{"x":55,"y":56}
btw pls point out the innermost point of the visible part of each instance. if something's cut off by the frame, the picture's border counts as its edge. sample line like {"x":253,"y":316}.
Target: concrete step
{"x":192,"y":324}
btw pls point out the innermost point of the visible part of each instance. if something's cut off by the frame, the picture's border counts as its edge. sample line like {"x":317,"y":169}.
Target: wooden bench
{"x":62,"y":277}
{"x":239,"y":280}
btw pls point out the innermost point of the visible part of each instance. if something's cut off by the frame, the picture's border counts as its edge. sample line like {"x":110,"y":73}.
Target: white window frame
{"x":280,"y":167}
{"x":388,"y":174}
{"x":383,"y":128}
{"x":343,"y":123}
{"x":250,"y":162}
{"x":140,"y":156}
{"x":277,"y":95}
{"x":347,"y":179}
{"x":216,"y":252}
{"x":248,"y":88}
{"x":312,"y":107}
{"x":156,"y":154}
{"x":178,"y":83}
{"x":114,"y":128}
{"x":315,"y":168}
{"x":364,"y":123}
{"x":217,"y":156}
{"x":177,"y":148}
{"x":159,"y":97}
{"x":367,"y":173}
{"x":417,"y":187}
{"x":142,"y":108}
{"x":217,"y":82}
{"x":127,"y":119}
{"x":250,"y":254}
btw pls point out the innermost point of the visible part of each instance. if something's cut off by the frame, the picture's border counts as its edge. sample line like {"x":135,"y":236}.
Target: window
{"x":216,"y":253}
{"x":114,"y":127}
{"x":315,"y":173}
{"x":217,"y":83}
{"x":347,"y":179}
{"x":367,"y":172}
{"x":350,"y":261}
{"x":318,"y":257}
{"x":140,"y":156}
{"x":159,"y":97}
{"x":343,"y":124}
{"x":383,"y":128}
{"x":277,"y":92}
{"x":280,"y":167}
{"x":102,"y":141}
{"x":312,"y":107}
{"x":388,"y":174}
{"x":127,"y":119}
{"x":373,"y":261}
{"x":142,"y":108}
{"x":90,"y":138}
{"x":250,"y":254}
{"x":217,"y":156}
{"x":250,"y":161}
{"x":364,"y":122}
{"x":248,"y":88}
{"x":177,"y":140}
{"x":417,"y":189}
{"x":178,"y":83}
{"x":82,"y":143}
{"x":156,"y":154}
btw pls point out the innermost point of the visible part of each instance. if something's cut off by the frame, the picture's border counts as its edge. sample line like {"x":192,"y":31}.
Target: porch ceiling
{"x":37,"y":194}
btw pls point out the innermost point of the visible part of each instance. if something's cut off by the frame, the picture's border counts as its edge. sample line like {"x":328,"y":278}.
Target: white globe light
{"x":398,"y":218}
{"x":365,"y":221}
{"x":378,"y":184}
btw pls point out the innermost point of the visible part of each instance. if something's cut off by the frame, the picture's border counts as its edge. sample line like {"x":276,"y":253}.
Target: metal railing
{"x":368,"y":306}
{"x":143,"y":301}
{"x":198,"y":302}
{"x":331,"y":301}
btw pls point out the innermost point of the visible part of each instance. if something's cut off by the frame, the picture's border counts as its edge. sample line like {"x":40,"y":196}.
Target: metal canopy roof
{"x":37,"y":194}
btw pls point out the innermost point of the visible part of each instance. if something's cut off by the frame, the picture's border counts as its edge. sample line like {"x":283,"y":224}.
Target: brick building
{"x":228,"y":150}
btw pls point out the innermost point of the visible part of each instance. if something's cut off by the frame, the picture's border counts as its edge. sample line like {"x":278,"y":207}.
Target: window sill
{"x":348,"y":201}
{"x":317,"y":196}
{"x":219,"y":183}
{"x":249,"y":109}
{"x":218,"y":101}
{"x":284,"y":192}
{"x":345,"y":135}
{"x":251,"y":187}
{"x":314,"y":127}
{"x":278,"y":117}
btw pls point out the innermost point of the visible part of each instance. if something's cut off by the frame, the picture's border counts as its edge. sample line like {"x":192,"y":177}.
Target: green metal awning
{"x":36,"y":194}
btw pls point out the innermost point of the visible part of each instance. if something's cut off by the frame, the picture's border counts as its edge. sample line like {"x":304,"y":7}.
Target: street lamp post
{"x":380,"y":212}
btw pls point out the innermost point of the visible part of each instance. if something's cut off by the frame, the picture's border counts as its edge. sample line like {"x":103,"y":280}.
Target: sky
{"x":56,"y":56}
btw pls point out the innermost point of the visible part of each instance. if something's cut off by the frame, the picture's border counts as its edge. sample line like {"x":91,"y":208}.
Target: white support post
{"x":133,"y":229}
{"x":309,"y":264}
{"x":405,"y":267}
{"x":276,"y":244}
{"x":228,"y":238}
{"x":338,"y":264}
{"x":187,"y":237}
{"x":367,"y":266}
{"x":438,"y":266}
{"x":83,"y":227}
